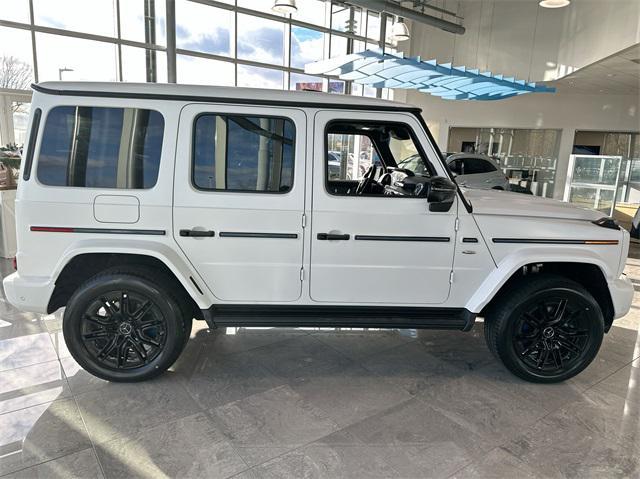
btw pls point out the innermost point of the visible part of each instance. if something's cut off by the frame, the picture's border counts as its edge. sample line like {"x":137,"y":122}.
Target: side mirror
{"x":442,"y":194}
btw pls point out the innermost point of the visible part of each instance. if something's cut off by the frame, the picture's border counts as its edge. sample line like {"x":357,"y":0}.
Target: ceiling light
{"x":400,"y":32}
{"x":554,"y":3}
{"x":285,"y":6}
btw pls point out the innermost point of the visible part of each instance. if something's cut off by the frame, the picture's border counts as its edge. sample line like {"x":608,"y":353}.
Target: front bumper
{"x":621,"y":290}
{"x":28,"y":294}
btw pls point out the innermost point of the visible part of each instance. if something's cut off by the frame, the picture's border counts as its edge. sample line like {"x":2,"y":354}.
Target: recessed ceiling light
{"x":554,"y":3}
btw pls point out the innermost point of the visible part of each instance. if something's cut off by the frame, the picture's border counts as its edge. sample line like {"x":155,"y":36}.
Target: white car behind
{"x":477,"y":171}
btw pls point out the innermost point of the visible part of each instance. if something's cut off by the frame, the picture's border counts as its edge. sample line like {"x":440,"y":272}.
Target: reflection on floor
{"x":316,"y":403}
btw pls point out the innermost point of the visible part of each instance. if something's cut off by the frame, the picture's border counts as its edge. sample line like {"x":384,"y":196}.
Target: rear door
{"x":239,"y":199}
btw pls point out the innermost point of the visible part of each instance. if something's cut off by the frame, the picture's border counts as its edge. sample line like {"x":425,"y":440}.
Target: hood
{"x":505,"y":203}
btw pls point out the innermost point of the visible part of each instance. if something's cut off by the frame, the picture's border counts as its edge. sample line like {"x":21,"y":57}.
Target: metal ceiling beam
{"x":395,"y":9}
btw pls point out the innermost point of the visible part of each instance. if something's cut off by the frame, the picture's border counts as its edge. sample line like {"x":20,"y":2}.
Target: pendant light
{"x":399,"y":31}
{"x":285,"y":6}
{"x":554,"y":3}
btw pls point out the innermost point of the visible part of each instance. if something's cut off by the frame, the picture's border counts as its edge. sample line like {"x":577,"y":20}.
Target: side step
{"x":339,"y":316}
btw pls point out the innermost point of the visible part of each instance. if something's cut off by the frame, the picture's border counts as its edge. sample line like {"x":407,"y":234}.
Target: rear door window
{"x":243,"y":153}
{"x":99,"y":147}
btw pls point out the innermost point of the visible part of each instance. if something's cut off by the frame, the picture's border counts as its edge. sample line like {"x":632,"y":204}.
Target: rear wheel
{"x":547,"y":329}
{"x":123,"y":326}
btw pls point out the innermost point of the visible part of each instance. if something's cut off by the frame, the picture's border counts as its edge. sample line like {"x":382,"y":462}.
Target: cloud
{"x":217,"y":42}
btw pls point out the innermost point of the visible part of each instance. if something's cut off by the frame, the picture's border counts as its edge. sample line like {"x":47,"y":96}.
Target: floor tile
{"x":358,"y":344}
{"x":32,"y":385}
{"x":79,"y":380}
{"x":289,"y":358}
{"x":121,"y":410}
{"x":191,"y":447}
{"x":221,"y":379}
{"x":625,"y":382}
{"x":497,"y":464}
{"x":236,"y":340}
{"x":57,"y":338}
{"x":409,"y":366}
{"x":40,"y":433}
{"x":361,"y":393}
{"x":324,"y":458}
{"x":14,"y":324}
{"x":417,"y":441}
{"x":270,"y":423}
{"x":24,"y":351}
{"x":475,"y":404}
{"x":465,"y":350}
{"x":562,"y":446}
{"x":79,"y":465}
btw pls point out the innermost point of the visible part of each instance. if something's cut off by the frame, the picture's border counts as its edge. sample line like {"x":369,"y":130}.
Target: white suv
{"x":142,"y":206}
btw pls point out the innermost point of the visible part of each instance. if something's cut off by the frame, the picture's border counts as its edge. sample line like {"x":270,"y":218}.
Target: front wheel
{"x":546,"y":329}
{"x":123,"y":326}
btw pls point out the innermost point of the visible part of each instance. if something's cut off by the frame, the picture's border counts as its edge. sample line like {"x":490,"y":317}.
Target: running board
{"x":339,"y":316}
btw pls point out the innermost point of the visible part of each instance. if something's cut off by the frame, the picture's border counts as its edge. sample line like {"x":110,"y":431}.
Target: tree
{"x":15,"y":74}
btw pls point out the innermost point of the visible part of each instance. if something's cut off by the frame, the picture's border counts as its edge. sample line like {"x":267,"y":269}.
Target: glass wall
{"x":623,"y":144}
{"x":218,"y":42}
{"x":529,"y":157}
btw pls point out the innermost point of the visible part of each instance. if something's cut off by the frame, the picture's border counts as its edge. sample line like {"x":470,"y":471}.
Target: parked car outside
{"x":477,"y":171}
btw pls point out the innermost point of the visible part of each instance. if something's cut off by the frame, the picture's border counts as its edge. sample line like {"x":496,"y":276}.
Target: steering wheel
{"x":366,"y":180}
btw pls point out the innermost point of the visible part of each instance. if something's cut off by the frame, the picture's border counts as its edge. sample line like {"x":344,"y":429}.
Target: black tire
{"x":148,"y":336}
{"x":545,"y":329}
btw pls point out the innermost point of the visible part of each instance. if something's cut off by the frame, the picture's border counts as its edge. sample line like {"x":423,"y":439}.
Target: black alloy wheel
{"x":123,"y":330}
{"x":126,"y":325}
{"x":545,"y":328}
{"x":552,"y":334}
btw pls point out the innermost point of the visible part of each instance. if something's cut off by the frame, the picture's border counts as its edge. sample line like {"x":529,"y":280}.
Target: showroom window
{"x":528,"y":157}
{"x":243,"y":153}
{"x":99,"y":147}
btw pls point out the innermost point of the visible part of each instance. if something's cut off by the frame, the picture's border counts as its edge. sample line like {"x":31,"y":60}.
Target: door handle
{"x":197,"y":233}
{"x":333,"y":236}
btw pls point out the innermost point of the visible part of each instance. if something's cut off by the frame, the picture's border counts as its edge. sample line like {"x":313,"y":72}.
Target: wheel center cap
{"x":548,"y":332}
{"x":125,"y":328}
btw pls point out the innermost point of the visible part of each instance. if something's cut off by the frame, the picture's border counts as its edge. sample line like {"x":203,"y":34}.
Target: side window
{"x":477,"y":165}
{"x":353,"y":148}
{"x":350,"y":155}
{"x":243,"y":153}
{"x":101,"y":147}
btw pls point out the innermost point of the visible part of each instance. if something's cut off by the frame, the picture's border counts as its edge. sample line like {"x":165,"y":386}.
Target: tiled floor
{"x":293,"y":403}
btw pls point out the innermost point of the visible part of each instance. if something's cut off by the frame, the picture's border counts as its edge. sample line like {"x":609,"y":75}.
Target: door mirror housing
{"x":441,"y":194}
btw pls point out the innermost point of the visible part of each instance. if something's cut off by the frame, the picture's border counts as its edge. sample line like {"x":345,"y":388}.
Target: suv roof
{"x":203,"y":93}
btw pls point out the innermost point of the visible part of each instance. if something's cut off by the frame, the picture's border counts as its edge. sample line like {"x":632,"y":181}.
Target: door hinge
{"x":451,"y":277}
{"x":301,"y":274}
{"x":304,"y":220}
{"x":457,"y":225}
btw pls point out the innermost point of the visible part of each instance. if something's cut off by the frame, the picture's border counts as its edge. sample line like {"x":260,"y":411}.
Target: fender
{"x":522,"y":257}
{"x":178,"y":265}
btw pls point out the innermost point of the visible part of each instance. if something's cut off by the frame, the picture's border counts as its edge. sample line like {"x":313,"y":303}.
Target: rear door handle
{"x":197,"y":233}
{"x":333,"y":236}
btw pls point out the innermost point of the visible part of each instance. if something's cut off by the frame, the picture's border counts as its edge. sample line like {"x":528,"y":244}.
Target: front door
{"x":368,"y":247}
{"x":239,"y":199}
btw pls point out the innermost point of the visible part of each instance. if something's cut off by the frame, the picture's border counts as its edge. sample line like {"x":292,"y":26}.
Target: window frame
{"x":227,"y":114}
{"x":432,"y":171}
{"x":99,"y":188}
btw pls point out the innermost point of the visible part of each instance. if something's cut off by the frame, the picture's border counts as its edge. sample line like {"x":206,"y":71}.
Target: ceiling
{"x":618,"y":74}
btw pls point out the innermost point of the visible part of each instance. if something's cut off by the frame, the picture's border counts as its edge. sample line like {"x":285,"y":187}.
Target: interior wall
{"x":519,"y":38}
{"x":566,"y":112}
